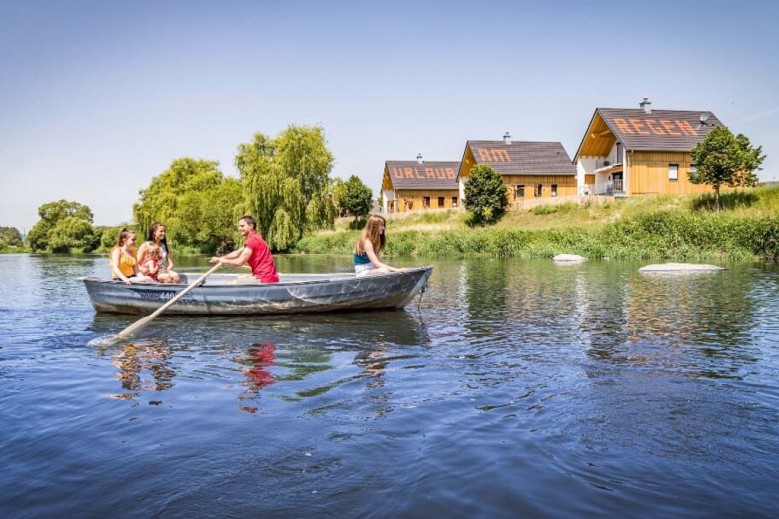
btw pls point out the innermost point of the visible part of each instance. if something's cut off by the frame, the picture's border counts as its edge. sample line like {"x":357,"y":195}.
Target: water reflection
{"x":259,"y":358}
{"x":368,"y":341}
{"x":143,"y":366}
{"x":486,"y":292}
{"x":602,"y":297}
{"x":250,"y":355}
{"x":689,"y":324}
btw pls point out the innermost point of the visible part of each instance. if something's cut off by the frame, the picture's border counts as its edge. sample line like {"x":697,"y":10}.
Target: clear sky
{"x":98,"y":97}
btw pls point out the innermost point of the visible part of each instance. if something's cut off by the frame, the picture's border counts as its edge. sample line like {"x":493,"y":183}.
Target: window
{"x":673,"y":171}
{"x":440,"y":201}
{"x":454,"y":201}
{"x":693,"y":168}
{"x":426,"y":201}
{"x":538,"y":190}
{"x":519,"y":192}
{"x":554,"y":189}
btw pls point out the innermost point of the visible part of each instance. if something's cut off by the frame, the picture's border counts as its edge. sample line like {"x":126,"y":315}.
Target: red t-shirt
{"x":261,"y":261}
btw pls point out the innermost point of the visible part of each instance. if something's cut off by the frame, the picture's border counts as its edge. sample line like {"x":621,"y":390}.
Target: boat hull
{"x":295,"y":293}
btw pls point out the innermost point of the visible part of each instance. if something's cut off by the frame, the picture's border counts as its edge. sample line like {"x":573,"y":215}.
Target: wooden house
{"x":627,"y":152}
{"x":419,"y":185}
{"x":530,"y":170}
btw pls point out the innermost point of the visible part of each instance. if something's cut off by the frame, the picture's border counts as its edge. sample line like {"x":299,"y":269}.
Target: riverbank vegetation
{"x":678,"y":228}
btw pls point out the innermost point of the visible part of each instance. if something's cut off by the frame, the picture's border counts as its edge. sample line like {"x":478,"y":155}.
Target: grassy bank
{"x":674,"y":228}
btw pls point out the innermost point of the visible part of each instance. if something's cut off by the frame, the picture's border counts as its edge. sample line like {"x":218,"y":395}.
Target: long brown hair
{"x":123,"y":235}
{"x":374,"y":233}
{"x":153,"y":232}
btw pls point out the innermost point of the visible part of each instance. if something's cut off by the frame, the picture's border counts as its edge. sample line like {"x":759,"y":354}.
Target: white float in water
{"x":568,"y":258}
{"x":680,"y":267}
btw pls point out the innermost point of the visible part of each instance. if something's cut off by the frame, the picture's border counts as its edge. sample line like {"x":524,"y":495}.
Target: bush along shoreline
{"x":664,"y":235}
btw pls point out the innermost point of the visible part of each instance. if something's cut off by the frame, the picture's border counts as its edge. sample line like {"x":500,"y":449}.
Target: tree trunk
{"x":716,"y":198}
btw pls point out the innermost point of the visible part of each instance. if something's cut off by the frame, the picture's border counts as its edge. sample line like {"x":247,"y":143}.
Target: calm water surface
{"x":514,"y":389}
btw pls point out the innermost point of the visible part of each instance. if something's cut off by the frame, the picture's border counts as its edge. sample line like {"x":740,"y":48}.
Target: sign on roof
{"x":428,"y":175}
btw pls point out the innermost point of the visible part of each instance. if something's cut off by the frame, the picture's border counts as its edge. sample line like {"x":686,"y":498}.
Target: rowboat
{"x":294,"y":294}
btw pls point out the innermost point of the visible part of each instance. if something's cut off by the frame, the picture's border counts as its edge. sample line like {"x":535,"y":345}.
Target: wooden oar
{"x":140,"y":323}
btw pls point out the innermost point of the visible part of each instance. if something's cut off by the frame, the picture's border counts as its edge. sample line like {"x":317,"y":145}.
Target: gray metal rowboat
{"x":295,"y":293}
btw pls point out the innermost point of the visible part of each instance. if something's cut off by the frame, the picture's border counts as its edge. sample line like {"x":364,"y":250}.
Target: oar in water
{"x":140,"y":323}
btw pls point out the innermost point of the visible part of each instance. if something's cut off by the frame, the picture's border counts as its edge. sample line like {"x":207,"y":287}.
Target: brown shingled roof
{"x":658,"y":130}
{"x":523,"y":158}
{"x":409,"y":174}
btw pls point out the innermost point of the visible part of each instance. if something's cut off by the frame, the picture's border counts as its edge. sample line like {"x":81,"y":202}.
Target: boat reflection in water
{"x":301,"y":356}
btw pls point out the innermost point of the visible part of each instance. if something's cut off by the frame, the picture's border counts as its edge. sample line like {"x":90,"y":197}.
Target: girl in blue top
{"x":369,"y":246}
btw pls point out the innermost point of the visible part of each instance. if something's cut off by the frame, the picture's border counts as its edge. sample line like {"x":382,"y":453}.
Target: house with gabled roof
{"x":530,"y":170}
{"x":628,"y":152}
{"x":410,"y":185}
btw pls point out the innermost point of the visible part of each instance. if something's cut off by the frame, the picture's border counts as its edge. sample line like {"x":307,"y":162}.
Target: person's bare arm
{"x":375,"y":258}
{"x":234,"y":259}
{"x":115,"y":255}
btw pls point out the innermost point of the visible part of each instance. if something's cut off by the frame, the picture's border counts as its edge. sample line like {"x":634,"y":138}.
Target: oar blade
{"x":133,"y":328}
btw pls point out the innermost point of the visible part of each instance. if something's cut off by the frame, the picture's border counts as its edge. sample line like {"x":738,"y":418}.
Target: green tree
{"x":356,"y":198}
{"x":63,"y":225}
{"x":286,"y":183}
{"x":723,"y":159}
{"x":161,"y":201}
{"x":73,"y":233}
{"x":486,"y":197}
{"x":10,"y":237}
{"x":211,"y":217}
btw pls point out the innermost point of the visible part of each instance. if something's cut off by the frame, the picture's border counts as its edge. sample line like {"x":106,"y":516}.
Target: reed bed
{"x":682,"y":228}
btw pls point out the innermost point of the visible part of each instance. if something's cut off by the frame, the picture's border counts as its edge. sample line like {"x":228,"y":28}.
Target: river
{"x":510,"y":389}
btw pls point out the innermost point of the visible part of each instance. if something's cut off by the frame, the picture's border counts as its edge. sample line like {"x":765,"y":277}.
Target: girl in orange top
{"x":123,"y":263}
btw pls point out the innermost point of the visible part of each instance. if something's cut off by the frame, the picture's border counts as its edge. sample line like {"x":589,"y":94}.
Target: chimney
{"x":507,"y":138}
{"x":419,"y":158}
{"x":646,"y":105}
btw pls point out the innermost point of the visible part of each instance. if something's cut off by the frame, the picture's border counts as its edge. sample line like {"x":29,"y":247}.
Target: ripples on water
{"x":518,"y":389}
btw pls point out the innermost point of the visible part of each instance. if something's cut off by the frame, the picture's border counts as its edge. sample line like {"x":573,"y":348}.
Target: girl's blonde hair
{"x":374,"y":233}
{"x":151,"y":248}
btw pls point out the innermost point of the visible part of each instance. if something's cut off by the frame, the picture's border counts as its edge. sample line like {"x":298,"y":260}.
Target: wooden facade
{"x":534,"y":186}
{"x":422,"y":199}
{"x":649,"y":174}
{"x":530,"y":170}
{"x":419,"y":186}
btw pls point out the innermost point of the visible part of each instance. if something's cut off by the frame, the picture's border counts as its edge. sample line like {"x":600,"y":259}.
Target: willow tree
{"x":210,"y":217}
{"x":170,"y":192}
{"x":286,"y":180}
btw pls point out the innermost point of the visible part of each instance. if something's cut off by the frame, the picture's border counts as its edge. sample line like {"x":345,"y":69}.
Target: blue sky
{"x":97,"y":98}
